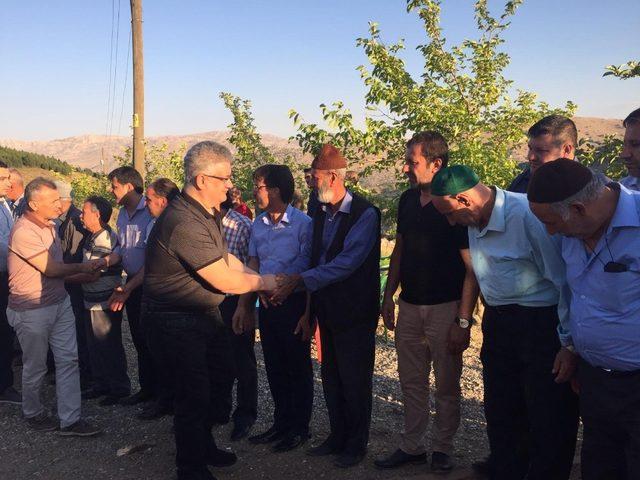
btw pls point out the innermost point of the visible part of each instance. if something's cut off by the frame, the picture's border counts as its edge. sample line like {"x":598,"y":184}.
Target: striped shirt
{"x":100,"y":245}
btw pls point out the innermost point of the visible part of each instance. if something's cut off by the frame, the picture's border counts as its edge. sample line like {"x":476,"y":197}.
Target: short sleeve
{"x":461,"y":235}
{"x":26,"y":243}
{"x":194,"y":245}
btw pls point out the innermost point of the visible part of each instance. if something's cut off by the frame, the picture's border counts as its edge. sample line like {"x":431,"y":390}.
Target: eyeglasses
{"x":259,"y":187}
{"x":222,"y":179}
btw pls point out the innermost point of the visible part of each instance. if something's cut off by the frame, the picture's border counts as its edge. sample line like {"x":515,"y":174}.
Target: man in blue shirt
{"x":133,"y":219}
{"x":600,"y":224}
{"x":8,"y":394}
{"x":630,"y":154}
{"x":531,"y":412}
{"x":277,"y":245}
{"x":551,"y":137}
{"x":344,"y":280}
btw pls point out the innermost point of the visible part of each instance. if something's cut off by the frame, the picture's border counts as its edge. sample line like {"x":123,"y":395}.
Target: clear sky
{"x":280,"y":54}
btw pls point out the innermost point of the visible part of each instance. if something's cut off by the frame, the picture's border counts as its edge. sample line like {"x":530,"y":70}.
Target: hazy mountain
{"x":87,"y":150}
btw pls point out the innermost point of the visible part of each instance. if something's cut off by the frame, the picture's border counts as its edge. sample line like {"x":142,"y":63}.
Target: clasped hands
{"x":276,"y":291}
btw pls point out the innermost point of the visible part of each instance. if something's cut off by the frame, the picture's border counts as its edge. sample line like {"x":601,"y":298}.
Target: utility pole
{"x":138,"y":87}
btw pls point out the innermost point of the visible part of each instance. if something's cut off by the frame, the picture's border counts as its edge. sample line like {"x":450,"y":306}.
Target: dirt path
{"x":30,"y":455}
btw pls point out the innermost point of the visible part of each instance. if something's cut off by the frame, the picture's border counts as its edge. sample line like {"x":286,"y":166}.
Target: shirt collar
{"x":626,"y":214}
{"x":345,"y":205}
{"x":630,"y":180}
{"x":286,"y":216}
{"x":498,"y":214}
{"x":197,"y":205}
{"x":29,"y":215}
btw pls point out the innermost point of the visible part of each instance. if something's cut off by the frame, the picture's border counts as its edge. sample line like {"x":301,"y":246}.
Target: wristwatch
{"x":464,"y":322}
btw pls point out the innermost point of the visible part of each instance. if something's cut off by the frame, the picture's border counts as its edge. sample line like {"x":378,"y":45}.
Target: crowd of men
{"x":554,"y":259}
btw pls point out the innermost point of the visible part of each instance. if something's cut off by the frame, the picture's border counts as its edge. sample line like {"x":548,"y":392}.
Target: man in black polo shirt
{"x":187,"y":272}
{"x":431,"y":262}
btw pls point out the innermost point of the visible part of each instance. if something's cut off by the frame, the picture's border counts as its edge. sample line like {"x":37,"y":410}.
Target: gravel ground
{"x":31,"y":455}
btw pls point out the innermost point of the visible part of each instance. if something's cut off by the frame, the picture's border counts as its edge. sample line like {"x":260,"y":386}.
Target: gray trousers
{"x":38,"y":329}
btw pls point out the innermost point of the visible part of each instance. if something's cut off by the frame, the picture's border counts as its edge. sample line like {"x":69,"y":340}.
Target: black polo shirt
{"x":185,"y":238}
{"x":431,"y":269}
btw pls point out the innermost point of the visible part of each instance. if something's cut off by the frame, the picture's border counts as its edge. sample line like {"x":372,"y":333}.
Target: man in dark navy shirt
{"x":550,"y":138}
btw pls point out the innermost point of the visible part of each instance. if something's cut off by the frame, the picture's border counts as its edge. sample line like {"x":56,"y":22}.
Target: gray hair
{"x":202,"y":156}
{"x":65,"y":189}
{"x":15,"y":173}
{"x":35,"y":185}
{"x":589,"y":193}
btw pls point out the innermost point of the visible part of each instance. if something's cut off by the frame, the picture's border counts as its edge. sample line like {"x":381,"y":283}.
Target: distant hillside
{"x":21,"y":159}
{"x":87,"y":151}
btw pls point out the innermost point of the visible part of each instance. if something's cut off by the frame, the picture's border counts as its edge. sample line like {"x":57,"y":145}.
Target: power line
{"x":115,"y":73}
{"x":124,"y":88}
{"x":106,"y":132}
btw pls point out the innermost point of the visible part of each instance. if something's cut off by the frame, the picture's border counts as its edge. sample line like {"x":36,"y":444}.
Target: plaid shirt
{"x":237,"y":231}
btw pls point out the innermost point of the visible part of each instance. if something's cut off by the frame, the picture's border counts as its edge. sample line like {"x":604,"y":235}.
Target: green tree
{"x":159,"y":162}
{"x":462,"y":93}
{"x":625,"y":71}
{"x":250,"y":151}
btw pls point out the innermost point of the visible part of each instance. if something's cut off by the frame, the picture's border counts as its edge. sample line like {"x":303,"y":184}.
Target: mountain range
{"x":87,"y":151}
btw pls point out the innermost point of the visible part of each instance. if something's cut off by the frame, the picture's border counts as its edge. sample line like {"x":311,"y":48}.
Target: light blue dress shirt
{"x":281,"y":247}
{"x":6,"y":223}
{"x":357,"y":245}
{"x":632,"y":183}
{"x":605,"y":307}
{"x":132,"y":235}
{"x":516,"y":261}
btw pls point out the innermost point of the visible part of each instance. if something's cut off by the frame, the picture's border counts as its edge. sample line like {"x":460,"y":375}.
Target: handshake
{"x":93,"y":266}
{"x":276,"y":288}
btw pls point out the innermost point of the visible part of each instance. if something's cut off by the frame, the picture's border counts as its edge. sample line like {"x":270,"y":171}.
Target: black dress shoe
{"x":269,"y":436}
{"x":483,"y":467}
{"x":441,"y":462}
{"x":154,"y":411}
{"x":137,"y":398}
{"x":328,"y":447}
{"x":289,"y":442}
{"x":346,"y":460}
{"x":92,"y":393}
{"x":399,"y":458}
{"x":111,"y":400}
{"x":240,"y":430}
{"x":221,"y":458}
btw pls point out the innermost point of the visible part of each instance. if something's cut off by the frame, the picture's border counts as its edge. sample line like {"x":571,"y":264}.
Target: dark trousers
{"x":198,"y":349}
{"x":108,"y":361}
{"x":77,"y":305}
{"x":146,"y":370}
{"x":165,"y":375}
{"x":287,"y":360}
{"x":7,"y":336}
{"x":532,"y":421}
{"x":246,"y":372}
{"x":610,"y":409}
{"x":348,"y":357}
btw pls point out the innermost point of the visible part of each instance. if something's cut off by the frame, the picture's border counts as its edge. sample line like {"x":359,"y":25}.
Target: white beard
{"x":325,"y":195}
